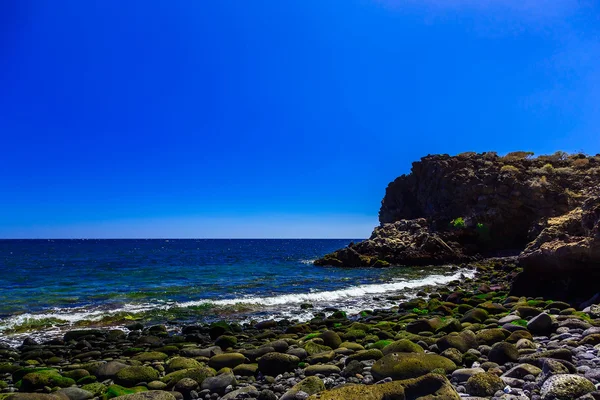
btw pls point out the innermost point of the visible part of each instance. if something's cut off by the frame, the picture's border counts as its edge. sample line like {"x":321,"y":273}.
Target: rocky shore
{"x":468,"y":339}
{"x":525,"y":327}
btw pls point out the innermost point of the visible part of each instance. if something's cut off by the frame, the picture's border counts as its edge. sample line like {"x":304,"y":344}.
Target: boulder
{"x":431,"y":387}
{"x":130,"y":376}
{"x":566,"y":387}
{"x":277,"y":363}
{"x":484,"y":384}
{"x":409,"y":365}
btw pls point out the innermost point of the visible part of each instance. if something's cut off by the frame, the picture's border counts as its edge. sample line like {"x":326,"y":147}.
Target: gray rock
{"x":463,"y":374}
{"x":219,"y":383}
{"x":149,"y":395}
{"x":75,"y":393}
{"x":522,"y":370}
{"x":540,"y":324}
{"x":109,"y":370}
{"x":250,"y":390}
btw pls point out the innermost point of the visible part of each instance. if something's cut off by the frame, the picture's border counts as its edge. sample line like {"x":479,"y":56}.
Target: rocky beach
{"x":524,"y":325}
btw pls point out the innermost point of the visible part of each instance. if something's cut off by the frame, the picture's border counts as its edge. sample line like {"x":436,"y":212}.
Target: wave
{"x":308,"y":262}
{"x":351,"y":292}
{"x":352,"y":299}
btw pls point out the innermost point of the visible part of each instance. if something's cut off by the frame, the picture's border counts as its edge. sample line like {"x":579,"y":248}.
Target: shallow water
{"x":53,"y":283}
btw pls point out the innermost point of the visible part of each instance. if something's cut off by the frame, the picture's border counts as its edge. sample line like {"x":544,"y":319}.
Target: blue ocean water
{"x":49,"y":284}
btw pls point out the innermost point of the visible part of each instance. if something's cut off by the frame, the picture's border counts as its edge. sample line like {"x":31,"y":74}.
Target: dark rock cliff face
{"x":565,"y":258}
{"x":460,"y":208}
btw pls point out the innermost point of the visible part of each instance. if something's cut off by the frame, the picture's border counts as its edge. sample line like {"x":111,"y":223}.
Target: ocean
{"x":51,"y":285}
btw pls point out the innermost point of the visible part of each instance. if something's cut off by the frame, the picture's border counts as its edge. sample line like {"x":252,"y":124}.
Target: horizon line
{"x":199,"y":238}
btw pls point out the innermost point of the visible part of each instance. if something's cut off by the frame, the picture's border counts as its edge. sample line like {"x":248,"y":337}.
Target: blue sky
{"x":271,"y":118}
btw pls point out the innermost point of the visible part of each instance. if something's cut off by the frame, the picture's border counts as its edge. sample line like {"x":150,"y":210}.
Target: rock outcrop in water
{"x":452,"y":209}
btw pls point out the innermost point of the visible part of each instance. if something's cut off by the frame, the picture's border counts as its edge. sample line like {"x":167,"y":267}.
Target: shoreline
{"x":457,"y":330}
{"x":299,"y":307}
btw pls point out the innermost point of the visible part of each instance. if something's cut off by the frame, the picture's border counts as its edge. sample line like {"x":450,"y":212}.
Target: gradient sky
{"x":271,"y":118}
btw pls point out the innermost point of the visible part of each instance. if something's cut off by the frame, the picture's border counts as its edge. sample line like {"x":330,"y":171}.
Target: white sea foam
{"x":308,"y":262}
{"x":331,"y":296}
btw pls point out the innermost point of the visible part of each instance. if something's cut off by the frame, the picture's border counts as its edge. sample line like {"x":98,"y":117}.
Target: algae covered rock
{"x":197,"y":374}
{"x":430,"y":387}
{"x":565,"y":387}
{"x":226,"y":360}
{"x":310,"y":385}
{"x":331,"y":339}
{"x":150,"y":356}
{"x":149,"y":395}
{"x":484,"y":384}
{"x":490,"y":336}
{"x":118,"y":390}
{"x":38,"y":380}
{"x":177,"y":363}
{"x":402,"y":346}
{"x":503,"y":352}
{"x":277,"y":363}
{"x":313,"y":348}
{"x":130,"y":376}
{"x":462,"y":341}
{"x":409,"y":365}
{"x":226,"y":341}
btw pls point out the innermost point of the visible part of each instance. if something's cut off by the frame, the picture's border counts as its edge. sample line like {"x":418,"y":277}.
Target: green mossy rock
{"x":149,"y":395}
{"x":380,"y":344}
{"x":462,"y":341}
{"x":354,"y":335}
{"x":475,"y":315}
{"x":331,"y":339}
{"x":484,"y":384}
{"x":116,"y":390}
{"x":38,"y":380}
{"x":91,"y":367}
{"x":402,"y":346}
{"x":323,"y":369}
{"x":226,"y":360}
{"x":453,"y":355}
{"x":219,"y":328}
{"x":409,"y":365}
{"x":226,"y":341}
{"x":274,"y":363}
{"x":76,"y":374}
{"x":310,"y":385}
{"x":428,"y":387}
{"x":8,"y":368}
{"x":503,"y":352}
{"x":97,"y":389}
{"x":363,"y":355}
{"x":492,"y":308}
{"x":449,"y":325}
{"x":313,"y":348}
{"x":197,"y":374}
{"x":87,"y":379}
{"x":518,"y":335}
{"x":246,"y":370}
{"x":352,"y":346}
{"x":490,"y":336}
{"x":566,"y":387}
{"x":178,"y":363}
{"x":150,"y":356}
{"x":21,"y":372}
{"x":130,"y":376}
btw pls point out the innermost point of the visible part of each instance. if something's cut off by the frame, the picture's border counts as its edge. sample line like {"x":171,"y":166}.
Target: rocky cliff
{"x":458,"y":208}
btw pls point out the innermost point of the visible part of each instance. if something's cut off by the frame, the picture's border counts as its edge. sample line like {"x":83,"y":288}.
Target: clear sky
{"x":271,"y":118}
